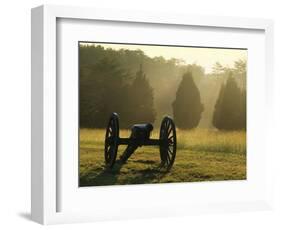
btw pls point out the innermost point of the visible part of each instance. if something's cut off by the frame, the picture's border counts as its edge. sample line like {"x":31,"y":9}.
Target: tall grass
{"x":196,"y":139}
{"x":212,"y":140}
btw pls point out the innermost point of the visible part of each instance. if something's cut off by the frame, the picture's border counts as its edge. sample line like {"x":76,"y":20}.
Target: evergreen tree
{"x":230,"y":108}
{"x":187,"y":107}
{"x":140,"y":107}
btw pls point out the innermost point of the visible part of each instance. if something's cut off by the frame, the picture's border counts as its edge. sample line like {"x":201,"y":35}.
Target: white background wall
{"x":15,"y":113}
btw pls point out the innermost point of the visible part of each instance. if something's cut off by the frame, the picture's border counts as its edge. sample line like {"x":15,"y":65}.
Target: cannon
{"x":140,"y":136}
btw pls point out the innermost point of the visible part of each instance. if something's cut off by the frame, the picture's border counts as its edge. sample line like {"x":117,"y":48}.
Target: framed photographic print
{"x":138,"y":114}
{"x":181,"y":100}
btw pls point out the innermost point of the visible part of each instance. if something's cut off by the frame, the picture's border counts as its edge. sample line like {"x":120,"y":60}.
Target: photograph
{"x":151,"y":113}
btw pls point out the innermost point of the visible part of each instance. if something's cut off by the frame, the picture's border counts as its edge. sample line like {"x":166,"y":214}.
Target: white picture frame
{"x":45,"y":90}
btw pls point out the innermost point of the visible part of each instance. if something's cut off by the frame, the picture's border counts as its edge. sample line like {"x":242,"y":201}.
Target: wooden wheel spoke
{"x":168,"y":158}
{"x":108,"y":149}
{"x":169,"y":130}
{"x":170,"y":152}
{"x":171,"y":137}
{"x":170,"y":142}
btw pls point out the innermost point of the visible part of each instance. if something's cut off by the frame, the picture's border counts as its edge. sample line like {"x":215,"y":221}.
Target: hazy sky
{"x":205,"y":57}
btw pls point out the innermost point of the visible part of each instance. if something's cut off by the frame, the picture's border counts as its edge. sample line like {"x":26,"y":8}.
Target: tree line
{"x":107,"y":85}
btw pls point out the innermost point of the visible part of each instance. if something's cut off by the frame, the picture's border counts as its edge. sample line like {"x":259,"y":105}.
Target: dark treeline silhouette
{"x":144,"y":89}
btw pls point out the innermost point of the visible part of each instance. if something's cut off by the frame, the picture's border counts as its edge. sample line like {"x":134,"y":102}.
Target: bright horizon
{"x":206,"y":57}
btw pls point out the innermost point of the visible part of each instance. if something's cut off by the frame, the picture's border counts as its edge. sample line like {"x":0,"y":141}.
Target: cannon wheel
{"x":168,"y":142}
{"x":111,"y":140}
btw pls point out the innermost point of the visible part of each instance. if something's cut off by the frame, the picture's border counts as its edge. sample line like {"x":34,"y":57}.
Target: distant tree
{"x":218,"y":69}
{"x":240,"y":71}
{"x":240,"y":66}
{"x":187,"y":107}
{"x":140,"y":106}
{"x":230,"y":108}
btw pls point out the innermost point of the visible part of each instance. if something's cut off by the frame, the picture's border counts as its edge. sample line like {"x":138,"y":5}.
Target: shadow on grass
{"x":146,"y":176}
{"x":145,"y":161}
{"x":133,"y":176}
{"x":105,"y":177}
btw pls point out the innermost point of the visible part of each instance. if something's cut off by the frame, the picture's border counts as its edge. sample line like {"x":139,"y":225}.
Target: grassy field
{"x":202,"y":155}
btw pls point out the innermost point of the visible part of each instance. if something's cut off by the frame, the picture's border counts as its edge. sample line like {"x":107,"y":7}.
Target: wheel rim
{"x":111,"y":140}
{"x":168,"y":146}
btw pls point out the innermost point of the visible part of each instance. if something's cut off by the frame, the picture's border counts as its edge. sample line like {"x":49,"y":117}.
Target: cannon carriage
{"x":140,"y":136}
